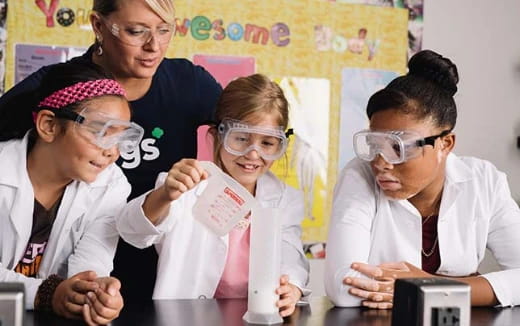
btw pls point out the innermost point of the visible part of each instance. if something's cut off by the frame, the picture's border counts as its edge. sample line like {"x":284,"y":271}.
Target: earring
{"x":99,"y":39}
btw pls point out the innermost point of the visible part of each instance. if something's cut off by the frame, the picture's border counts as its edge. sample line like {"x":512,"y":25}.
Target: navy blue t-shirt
{"x":182,"y":97}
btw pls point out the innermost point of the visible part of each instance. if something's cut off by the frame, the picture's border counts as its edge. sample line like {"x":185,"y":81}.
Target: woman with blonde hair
{"x":170,"y":98}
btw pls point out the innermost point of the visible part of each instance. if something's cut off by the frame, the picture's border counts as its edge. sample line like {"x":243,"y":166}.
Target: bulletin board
{"x":305,"y":45}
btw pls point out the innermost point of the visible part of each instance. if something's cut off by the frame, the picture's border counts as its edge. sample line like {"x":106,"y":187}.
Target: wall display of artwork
{"x":304,"y":45}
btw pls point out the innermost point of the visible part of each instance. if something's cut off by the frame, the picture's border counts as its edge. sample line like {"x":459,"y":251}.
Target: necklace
{"x":430,"y":252}
{"x":427,"y":218}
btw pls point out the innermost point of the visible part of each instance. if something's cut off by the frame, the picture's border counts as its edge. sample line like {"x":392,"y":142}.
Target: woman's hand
{"x":70,"y":295}
{"x":289,"y":296}
{"x":378,"y":291}
{"x":105,"y":303}
{"x":183,"y":176}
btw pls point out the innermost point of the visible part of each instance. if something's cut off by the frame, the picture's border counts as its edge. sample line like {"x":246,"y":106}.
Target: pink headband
{"x":82,"y":91}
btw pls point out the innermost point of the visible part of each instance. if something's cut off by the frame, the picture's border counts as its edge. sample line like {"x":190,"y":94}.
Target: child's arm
{"x":145,"y":219}
{"x":183,"y":176}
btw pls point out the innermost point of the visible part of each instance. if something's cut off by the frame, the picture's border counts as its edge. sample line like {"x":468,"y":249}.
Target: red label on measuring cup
{"x":234,"y":196}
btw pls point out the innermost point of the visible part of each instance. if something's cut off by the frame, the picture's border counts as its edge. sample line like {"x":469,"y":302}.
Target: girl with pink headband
{"x":170,"y":97}
{"x":60,"y":191}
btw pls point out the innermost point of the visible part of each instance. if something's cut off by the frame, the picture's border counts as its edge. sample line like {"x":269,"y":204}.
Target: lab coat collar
{"x":269,"y":190}
{"x":14,"y":174}
{"x":76,"y":198}
{"x":457,"y":173}
{"x":13,"y":160}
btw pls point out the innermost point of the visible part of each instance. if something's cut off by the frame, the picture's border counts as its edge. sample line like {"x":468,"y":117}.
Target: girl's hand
{"x":289,"y":296}
{"x":70,"y":295}
{"x":379,"y":289}
{"x":183,"y":176}
{"x":104,"y":304}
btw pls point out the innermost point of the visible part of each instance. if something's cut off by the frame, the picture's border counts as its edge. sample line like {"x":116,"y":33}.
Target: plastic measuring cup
{"x":223,"y":203}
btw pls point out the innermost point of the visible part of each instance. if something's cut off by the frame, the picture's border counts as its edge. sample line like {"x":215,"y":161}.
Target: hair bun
{"x":436,"y":68}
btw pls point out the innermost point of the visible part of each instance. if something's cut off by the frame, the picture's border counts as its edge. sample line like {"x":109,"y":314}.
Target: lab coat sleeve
{"x":95,"y":251}
{"x":504,"y":242}
{"x":349,"y":237}
{"x":31,"y":284}
{"x":294,"y":262}
{"x":136,"y":229}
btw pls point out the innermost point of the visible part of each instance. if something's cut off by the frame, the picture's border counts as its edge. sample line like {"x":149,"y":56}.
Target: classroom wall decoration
{"x":3,"y":39}
{"x":305,"y":45}
{"x":415,"y":18}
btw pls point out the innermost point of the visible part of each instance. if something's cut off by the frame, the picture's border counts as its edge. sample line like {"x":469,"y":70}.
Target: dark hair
{"x":16,"y":113}
{"x":425,"y":92}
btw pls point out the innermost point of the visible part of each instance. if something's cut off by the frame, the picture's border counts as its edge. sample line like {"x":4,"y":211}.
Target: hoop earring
{"x":99,"y":42}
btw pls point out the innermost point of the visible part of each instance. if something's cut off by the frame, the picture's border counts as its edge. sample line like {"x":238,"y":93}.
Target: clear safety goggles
{"x":137,"y":35}
{"x":102,"y":130}
{"x":240,"y":138}
{"x":394,"y":146}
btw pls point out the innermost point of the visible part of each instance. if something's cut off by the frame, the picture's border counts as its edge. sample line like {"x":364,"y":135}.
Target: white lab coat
{"x":476,"y":212}
{"x":192,"y":258}
{"x":83,"y":236}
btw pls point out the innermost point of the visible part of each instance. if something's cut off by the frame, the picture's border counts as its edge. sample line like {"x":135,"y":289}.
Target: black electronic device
{"x":431,"y":302}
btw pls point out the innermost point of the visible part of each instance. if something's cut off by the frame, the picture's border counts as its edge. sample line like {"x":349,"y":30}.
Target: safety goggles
{"x":138,"y":35}
{"x":102,"y":130}
{"x":240,"y":138}
{"x":394,"y":146}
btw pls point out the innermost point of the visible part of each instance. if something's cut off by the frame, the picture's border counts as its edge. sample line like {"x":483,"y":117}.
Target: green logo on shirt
{"x":157,"y":132}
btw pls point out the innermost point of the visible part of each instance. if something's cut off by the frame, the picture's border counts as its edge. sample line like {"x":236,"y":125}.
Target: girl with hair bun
{"x":406,"y":206}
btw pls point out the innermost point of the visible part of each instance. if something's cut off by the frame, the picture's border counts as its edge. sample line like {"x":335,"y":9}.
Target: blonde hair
{"x":163,"y":8}
{"x":246,"y":96}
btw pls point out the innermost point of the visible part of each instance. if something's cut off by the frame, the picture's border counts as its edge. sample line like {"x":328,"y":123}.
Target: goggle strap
{"x":431,"y":140}
{"x":65,"y":113}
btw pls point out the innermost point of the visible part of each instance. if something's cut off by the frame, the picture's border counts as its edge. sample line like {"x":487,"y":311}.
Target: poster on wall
{"x":29,"y":58}
{"x":312,"y":46}
{"x":415,"y":18}
{"x":308,"y":153}
{"x":223,"y":68}
{"x":357,"y":85}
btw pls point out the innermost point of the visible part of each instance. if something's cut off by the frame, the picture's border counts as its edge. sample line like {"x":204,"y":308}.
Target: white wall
{"x":482,"y":38}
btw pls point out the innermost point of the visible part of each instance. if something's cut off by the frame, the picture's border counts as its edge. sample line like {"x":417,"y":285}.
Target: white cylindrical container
{"x":264,"y":267}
